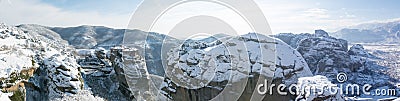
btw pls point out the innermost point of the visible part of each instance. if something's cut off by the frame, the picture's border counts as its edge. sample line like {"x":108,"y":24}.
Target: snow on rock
{"x":293,"y":39}
{"x":131,"y":72}
{"x":207,"y":68}
{"x":15,"y":54}
{"x":63,"y":75}
{"x":317,"y":88}
{"x":22,"y":50}
{"x":358,"y":50}
{"x":57,"y":77}
{"x":57,"y":72}
{"x":329,"y":56}
{"x":326,"y":55}
{"x":321,"y":33}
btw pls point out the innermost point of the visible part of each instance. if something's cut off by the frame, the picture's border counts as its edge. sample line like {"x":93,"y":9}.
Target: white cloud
{"x":316,"y":13}
{"x":36,"y":12}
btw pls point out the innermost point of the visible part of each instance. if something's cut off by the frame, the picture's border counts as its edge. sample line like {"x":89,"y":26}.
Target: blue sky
{"x":283,"y":15}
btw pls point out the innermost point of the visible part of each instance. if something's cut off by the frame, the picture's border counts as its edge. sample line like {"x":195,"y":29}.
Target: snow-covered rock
{"x":57,"y":76}
{"x":326,"y":55}
{"x":358,"y":50}
{"x":201,"y":71}
{"x":293,"y":39}
{"x":321,"y":33}
{"x":131,"y":73}
{"x":63,"y":75}
{"x":51,"y":68}
{"x":16,"y":50}
{"x":23,"y":51}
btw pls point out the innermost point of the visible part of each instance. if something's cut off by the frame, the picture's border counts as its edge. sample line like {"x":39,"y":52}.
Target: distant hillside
{"x":383,"y":32}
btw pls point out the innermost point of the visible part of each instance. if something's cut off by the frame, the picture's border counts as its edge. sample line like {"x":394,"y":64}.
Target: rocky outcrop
{"x":329,"y":56}
{"x":326,"y":55}
{"x":21,"y":53}
{"x":232,"y":66}
{"x":132,"y":74}
{"x":56,"y":77}
{"x":42,"y":67}
{"x":293,"y":39}
{"x":63,"y":75}
{"x":358,"y":50}
{"x":321,"y":33}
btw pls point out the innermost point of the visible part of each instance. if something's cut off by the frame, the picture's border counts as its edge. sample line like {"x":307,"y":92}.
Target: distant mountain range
{"x":85,"y":37}
{"x":382,"y":32}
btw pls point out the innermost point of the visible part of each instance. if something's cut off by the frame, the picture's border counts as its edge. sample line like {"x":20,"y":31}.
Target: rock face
{"x":63,"y":74}
{"x":326,"y":55}
{"x":16,"y":50}
{"x":41,"y":68}
{"x":293,"y":39}
{"x":323,"y":85}
{"x":132,"y":74}
{"x":358,"y":50}
{"x":232,"y":66}
{"x":100,"y":77}
{"x":321,"y":33}
{"x":58,"y":75}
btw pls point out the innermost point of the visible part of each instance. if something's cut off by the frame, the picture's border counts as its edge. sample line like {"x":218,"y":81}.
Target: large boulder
{"x":231,"y":67}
